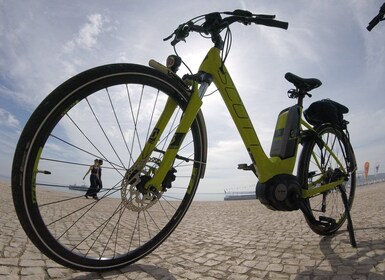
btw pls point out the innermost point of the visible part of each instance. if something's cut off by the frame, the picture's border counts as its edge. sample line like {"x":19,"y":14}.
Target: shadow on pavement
{"x":344,"y":261}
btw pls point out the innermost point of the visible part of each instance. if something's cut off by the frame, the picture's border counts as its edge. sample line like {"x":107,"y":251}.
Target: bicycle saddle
{"x":302,"y":83}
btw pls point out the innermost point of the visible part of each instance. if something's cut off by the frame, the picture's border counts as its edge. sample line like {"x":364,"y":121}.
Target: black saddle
{"x":301,"y":83}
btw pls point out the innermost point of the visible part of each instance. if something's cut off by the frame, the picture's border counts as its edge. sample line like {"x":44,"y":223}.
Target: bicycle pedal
{"x":245,"y":166}
{"x":327,"y":221}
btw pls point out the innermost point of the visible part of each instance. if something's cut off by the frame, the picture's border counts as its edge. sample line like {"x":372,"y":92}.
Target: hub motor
{"x":279,"y":193}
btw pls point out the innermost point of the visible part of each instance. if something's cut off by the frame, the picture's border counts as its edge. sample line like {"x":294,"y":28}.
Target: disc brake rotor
{"x":134,"y":196}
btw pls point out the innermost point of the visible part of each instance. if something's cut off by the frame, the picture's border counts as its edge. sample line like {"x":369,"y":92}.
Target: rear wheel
{"x":319,"y":166}
{"x":108,"y":113}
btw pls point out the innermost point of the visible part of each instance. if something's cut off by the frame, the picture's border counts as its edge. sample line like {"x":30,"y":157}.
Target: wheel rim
{"x":321,"y":169}
{"x":109,"y":230}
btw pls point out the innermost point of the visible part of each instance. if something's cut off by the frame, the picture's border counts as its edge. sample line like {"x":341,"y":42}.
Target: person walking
{"x":100,"y":183}
{"x":94,"y":180}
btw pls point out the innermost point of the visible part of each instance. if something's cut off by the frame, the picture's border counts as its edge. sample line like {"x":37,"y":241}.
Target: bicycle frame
{"x":265,"y":167}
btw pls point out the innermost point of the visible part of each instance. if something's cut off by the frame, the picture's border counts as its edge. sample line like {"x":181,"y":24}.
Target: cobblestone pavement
{"x":227,"y":240}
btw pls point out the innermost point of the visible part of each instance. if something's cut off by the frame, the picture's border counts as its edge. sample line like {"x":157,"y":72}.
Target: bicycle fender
{"x":308,"y":135}
{"x":161,"y":68}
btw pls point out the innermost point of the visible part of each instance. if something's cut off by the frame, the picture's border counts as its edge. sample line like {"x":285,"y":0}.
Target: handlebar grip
{"x":373,"y":23}
{"x":377,"y":18}
{"x":271,"y":22}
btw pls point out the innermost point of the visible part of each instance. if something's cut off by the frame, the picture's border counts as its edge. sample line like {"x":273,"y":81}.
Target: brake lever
{"x":242,"y":13}
{"x":168,"y":37}
{"x":180,"y":33}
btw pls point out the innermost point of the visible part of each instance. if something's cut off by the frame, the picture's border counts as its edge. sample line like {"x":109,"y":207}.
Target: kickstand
{"x":349,"y":218}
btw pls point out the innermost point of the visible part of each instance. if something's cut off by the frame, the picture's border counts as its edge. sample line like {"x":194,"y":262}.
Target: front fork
{"x":193,"y":106}
{"x":169,"y":156}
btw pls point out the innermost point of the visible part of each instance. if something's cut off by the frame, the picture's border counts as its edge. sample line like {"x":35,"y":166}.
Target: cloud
{"x":88,"y":35}
{"x":7,"y":119}
{"x":43,"y":44}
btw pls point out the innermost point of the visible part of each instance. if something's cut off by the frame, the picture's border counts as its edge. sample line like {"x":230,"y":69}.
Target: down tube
{"x":266,"y":167}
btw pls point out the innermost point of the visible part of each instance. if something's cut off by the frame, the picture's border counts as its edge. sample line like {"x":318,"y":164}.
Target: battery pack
{"x":286,"y":133}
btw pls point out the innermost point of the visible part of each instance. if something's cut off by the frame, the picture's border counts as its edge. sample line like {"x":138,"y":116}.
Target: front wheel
{"x":107,"y":113}
{"x":323,"y":160}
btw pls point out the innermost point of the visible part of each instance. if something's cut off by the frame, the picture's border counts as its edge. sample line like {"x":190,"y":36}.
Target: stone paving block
{"x":32,"y":271}
{"x":235,"y":240}
{"x":58,"y":273}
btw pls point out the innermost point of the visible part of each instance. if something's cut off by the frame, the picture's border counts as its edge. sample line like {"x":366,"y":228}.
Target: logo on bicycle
{"x":154,"y":135}
{"x":176,"y":140}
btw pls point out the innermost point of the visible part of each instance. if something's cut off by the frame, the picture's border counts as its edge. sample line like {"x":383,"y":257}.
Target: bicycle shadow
{"x":348,"y":262}
{"x":134,"y":271}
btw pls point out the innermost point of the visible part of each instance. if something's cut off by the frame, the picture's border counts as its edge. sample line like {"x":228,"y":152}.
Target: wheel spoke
{"x":118,"y":123}
{"x":111,"y":118}
{"x":135,"y":119}
{"x":321,"y":165}
{"x":104,"y":132}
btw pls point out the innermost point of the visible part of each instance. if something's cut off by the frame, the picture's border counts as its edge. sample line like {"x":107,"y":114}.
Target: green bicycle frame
{"x":265,"y":167}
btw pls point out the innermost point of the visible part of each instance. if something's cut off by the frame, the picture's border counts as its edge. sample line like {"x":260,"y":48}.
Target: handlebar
{"x":377,"y":18}
{"x":214,"y":24}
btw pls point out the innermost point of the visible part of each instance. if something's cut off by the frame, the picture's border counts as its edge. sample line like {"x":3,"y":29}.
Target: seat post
{"x":301,"y":95}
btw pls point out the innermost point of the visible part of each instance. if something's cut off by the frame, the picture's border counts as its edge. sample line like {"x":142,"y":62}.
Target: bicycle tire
{"x":61,"y":140}
{"x":314,"y":168}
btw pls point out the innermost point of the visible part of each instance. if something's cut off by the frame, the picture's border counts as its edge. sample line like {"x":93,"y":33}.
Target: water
{"x":209,"y":196}
{"x":5,"y":179}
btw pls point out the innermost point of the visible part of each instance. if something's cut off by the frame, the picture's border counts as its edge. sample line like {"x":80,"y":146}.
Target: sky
{"x":43,"y":43}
